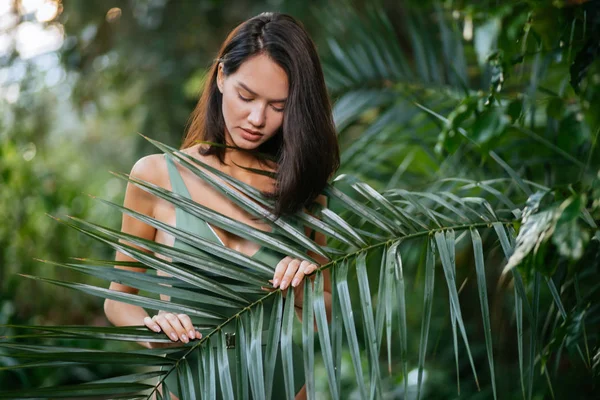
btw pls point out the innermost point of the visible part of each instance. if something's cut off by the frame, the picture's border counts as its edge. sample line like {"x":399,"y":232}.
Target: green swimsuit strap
{"x":183,"y":220}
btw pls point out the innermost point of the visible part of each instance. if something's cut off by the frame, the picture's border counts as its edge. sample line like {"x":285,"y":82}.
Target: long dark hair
{"x":305,"y":148}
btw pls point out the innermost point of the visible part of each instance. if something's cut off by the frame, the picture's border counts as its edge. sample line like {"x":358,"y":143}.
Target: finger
{"x":178,"y":327}
{"x":186,"y":321}
{"x":165,"y":326}
{"x":310,"y":269}
{"x":280,"y":270}
{"x":302,"y":271}
{"x":150,"y":324}
{"x":172,"y":327}
{"x":289,"y":273}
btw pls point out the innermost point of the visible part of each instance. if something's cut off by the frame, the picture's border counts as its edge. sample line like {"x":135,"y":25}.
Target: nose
{"x":257,"y":115}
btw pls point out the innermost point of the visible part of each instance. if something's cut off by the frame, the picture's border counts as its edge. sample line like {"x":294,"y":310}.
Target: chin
{"x":243,"y":144}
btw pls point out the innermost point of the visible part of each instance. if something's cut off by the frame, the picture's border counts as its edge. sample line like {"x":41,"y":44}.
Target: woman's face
{"x":253,"y":101}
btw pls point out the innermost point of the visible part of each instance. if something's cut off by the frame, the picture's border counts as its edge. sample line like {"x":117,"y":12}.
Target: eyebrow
{"x":253,"y":93}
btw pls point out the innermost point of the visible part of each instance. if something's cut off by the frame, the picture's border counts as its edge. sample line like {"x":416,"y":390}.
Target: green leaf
{"x":372,"y":195}
{"x":569,"y":237}
{"x":133,"y":299}
{"x":255,"y":359}
{"x":272,"y":342}
{"x":223,"y":365}
{"x":438,"y":199}
{"x":241,"y":360}
{"x":536,"y":222}
{"x":323,"y":331}
{"x":91,"y":357}
{"x":533,"y":336}
{"x":427,"y":307}
{"x":359,"y":209}
{"x":77,"y":391}
{"x":337,"y":326}
{"x":198,"y":241}
{"x":134,"y":334}
{"x":496,"y":193}
{"x":329,"y":230}
{"x":400,"y":291}
{"x":150,"y":283}
{"x":339,"y":223}
{"x":349,"y":325}
{"x":131,"y":377}
{"x":209,"y":370}
{"x":186,"y":381}
{"x":448,"y":268}
{"x":465,"y":205}
{"x":513,"y":174}
{"x":166,"y":391}
{"x":519,"y":320}
{"x":368,"y":323}
{"x":380,"y":310}
{"x":489,"y":125}
{"x":450,"y":241}
{"x":483,"y":299}
{"x":308,"y":340}
{"x":287,"y":359}
{"x":417,"y":204}
{"x":181,"y":272}
{"x":389,"y":289}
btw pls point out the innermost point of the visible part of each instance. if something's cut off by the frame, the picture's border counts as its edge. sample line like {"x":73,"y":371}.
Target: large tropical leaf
{"x":381,"y":243}
{"x":399,"y":219}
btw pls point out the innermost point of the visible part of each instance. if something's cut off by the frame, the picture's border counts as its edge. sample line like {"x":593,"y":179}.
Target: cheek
{"x":231,"y":108}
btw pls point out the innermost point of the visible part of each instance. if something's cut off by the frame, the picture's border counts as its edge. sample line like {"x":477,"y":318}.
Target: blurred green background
{"x":79,"y":79}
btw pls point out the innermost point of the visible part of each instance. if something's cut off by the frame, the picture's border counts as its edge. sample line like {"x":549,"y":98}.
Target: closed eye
{"x":246,"y":99}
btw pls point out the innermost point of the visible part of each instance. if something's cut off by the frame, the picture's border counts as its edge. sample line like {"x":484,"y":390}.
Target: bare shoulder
{"x":151,"y":168}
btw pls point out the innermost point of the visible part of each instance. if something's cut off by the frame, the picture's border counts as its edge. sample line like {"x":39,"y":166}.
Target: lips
{"x":252,"y":132}
{"x":251,"y":136}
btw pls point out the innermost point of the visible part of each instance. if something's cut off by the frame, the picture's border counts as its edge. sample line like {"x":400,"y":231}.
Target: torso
{"x":202,"y":193}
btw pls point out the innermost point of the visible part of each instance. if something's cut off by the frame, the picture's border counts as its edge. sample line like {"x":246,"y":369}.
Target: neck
{"x":239,"y":157}
{"x":234,"y":159}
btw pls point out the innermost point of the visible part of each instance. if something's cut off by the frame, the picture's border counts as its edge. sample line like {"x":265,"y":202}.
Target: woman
{"x":265,"y":93}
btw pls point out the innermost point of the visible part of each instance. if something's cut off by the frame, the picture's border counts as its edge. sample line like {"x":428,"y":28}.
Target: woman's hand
{"x":291,"y":271}
{"x":175,"y":326}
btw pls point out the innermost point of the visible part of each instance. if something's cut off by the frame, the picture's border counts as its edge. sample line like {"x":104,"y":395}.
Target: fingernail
{"x":283,"y":284}
{"x":156,"y":329}
{"x":192,"y":334}
{"x":295,"y":282}
{"x":173,"y":336}
{"x":184,"y":338}
{"x":275,"y":282}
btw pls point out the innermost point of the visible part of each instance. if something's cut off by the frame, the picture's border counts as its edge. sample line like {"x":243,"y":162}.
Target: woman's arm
{"x":123,"y":314}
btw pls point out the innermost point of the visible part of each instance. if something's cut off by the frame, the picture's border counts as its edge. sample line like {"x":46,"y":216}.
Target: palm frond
{"x":399,"y":105}
{"x":395,"y":224}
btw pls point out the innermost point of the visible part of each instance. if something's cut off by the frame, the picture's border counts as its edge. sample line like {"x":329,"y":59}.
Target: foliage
{"x":474,"y":133}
